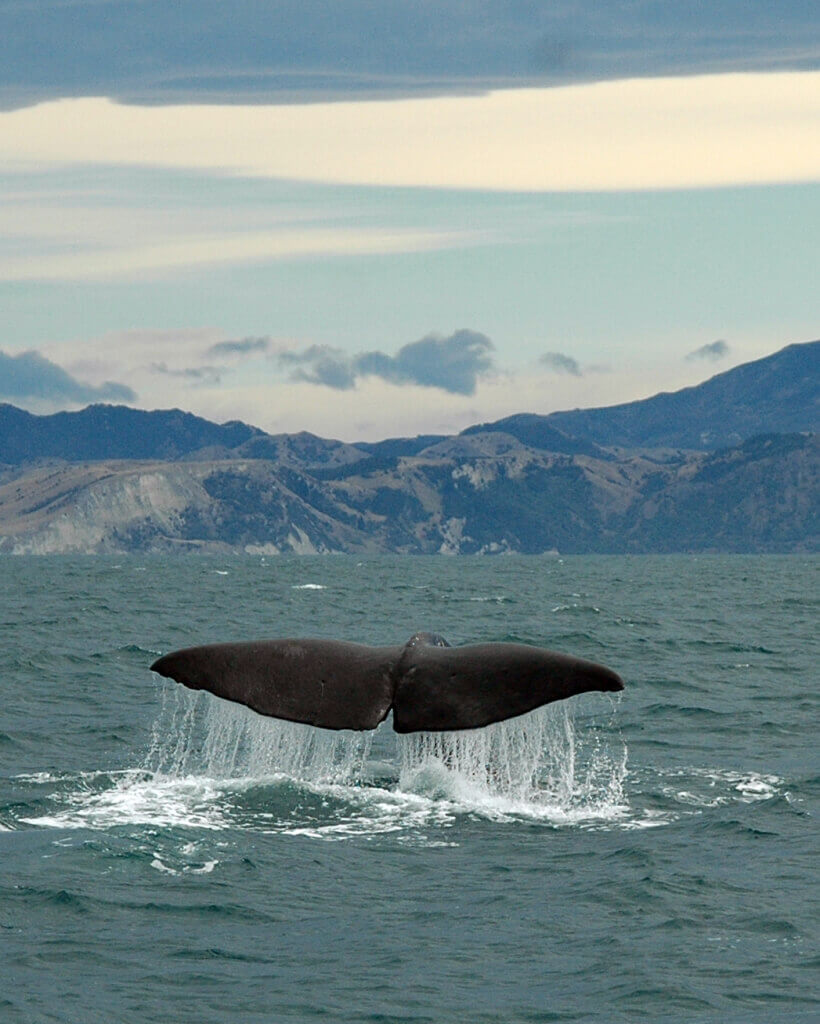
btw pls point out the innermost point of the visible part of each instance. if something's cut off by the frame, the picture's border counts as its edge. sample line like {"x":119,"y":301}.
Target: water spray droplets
{"x":535,"y":764}
{"x":202,"y":736}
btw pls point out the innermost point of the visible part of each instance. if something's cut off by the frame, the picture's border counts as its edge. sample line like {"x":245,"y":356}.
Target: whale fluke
{"x":430,"y":686}
{"x":329,"y":683}
{"x":473,"y":686}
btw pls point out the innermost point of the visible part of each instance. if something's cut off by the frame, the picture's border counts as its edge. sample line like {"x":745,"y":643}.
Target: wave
{"x":574,"y":608}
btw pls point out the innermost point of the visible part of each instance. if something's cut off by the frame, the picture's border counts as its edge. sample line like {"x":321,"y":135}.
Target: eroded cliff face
{"x":94,"y":508}
{"x":117,"y":507}
{"x":489,"y":496}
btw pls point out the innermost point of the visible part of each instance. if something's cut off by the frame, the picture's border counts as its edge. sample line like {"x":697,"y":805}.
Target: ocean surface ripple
{"x":167,"y":857}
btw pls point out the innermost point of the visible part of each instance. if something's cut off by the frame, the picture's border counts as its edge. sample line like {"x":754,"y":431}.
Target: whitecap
{"x":575,"y":607}
{"x":715,"y":787}
{"x":157,"y":864}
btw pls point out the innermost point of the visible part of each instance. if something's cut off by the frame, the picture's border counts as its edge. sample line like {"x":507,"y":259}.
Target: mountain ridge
{"x":103,"y":431}
{"x":776,"y":394}
{"x":176,"y":482}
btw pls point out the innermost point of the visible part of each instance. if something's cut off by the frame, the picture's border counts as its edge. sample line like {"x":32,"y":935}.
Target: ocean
{"x":650,"y":856}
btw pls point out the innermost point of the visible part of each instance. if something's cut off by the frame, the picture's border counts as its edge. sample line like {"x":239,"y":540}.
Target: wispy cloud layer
{"x":239,"y":347}
{"x":123,"y":257}
{"x":244,"y":51}
{"x":32,"y":376}
{"x":201,"y":375}
{"x":634,"y":134}
{"x":451,"y":364}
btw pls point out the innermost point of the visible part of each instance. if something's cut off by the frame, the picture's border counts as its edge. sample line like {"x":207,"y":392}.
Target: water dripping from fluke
{"x":538,"y":765}
{"x":219,"y":740}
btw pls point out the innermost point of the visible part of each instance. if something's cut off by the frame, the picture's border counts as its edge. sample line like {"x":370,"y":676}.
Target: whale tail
{"x":430,"y":686}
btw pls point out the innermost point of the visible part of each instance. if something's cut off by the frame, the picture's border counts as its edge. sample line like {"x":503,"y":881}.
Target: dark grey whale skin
{"x":430,"y":686}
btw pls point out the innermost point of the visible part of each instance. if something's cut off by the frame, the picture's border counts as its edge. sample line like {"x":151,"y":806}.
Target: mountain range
{"x":727,"y":465}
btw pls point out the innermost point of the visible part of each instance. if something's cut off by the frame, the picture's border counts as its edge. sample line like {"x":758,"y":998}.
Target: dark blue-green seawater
{"x":166,"y":857}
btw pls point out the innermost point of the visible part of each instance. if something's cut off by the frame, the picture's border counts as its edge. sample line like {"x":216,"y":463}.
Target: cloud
{"x":32,"y":376}
{"x":208,"y":51}
{"x":197,"y":374}
{"x":327,"y":365}
{"x":713,"y":351}
{"x":607,"y":136}
{"x":560,"y":363}
{"x":452,"y":363}
{"x":553,"y":55}
{"x":128,"y":255}
{"x":241,"y":347}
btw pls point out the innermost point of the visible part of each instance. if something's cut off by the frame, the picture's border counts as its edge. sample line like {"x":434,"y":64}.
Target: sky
{"x":369,"y":220}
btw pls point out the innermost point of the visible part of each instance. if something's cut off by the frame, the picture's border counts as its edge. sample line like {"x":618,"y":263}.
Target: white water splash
{"x":533,"y":765}
{"x":218,"y":767}
{"x":135,"y":798}
{"x":215,"y":766}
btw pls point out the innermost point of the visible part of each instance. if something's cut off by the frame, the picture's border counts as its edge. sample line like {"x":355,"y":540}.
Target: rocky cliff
{"x":451,"y":498}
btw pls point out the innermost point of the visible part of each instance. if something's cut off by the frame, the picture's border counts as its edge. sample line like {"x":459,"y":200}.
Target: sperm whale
{"x":429,"y":685}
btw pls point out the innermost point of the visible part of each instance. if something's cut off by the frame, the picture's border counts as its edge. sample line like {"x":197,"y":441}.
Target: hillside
{"x":779,"y":394}
{"x":112,"y":432}
{"x":632,"y":478}
{"x":759,"y":496}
